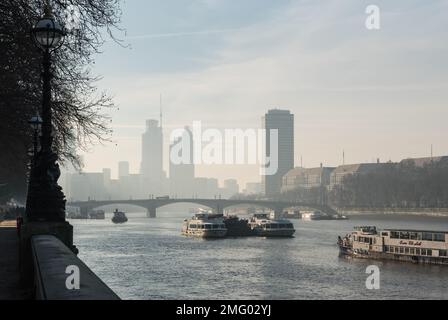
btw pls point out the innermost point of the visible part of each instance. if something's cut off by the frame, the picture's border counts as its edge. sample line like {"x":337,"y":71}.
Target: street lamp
{"x":36,"y":124}
{"x":46,"y":201}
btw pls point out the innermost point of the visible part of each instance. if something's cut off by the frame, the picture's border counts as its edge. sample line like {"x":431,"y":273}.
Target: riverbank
{"x":424,"y":212}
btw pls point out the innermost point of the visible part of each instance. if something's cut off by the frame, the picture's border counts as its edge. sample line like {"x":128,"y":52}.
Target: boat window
{"x":417,"y":251}
{"x":429,"y":252}
{"x":274,"y":226}
{"x":401,"y":250}
{"x":413,"y":235}
{"x":442,"y":253}
{"x":215,"y":226}
{"x":404,"y":235}
{"x":412,"y":251}
{"x":406,"y":250}
{"x":427,"y":236}
{"x":419,"y":236}
{"x":208,"y":226}
{"x":394,"y":235}
{"x":397,"y":250}
{"x":384,"y":234}
{"x":439,"y":237}
{"x":423,"y":252}
{"x":386,"y":248}
{"x":192,"y":226}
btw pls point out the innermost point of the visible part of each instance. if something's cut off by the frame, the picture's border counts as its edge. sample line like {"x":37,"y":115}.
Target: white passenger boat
{"x":205,"y":225}
{"x":263,"y":226}
{"x":316,"y":215}
{"x":417,"y":246}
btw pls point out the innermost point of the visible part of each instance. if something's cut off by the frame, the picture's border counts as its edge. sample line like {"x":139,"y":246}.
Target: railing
{"x":58,"y":272}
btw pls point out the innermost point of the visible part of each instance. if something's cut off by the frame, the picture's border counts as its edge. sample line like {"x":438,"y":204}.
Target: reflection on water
{"x":149,"y":259}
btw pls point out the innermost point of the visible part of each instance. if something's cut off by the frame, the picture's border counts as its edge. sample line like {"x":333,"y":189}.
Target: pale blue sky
{"x":373,"y":93}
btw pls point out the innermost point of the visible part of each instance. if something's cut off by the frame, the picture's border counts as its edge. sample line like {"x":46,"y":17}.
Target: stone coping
{"x":51,"y":259}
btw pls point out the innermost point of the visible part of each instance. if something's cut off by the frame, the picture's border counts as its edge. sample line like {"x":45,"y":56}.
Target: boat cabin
{"x":402,"y":242}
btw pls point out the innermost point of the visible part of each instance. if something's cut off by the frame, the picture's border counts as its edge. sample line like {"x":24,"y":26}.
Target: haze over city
{"x":226,"y":155}
{"x":374,"y":94}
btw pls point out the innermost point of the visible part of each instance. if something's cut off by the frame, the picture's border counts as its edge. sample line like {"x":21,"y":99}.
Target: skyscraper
{"x":182,"y":174}
{"x":123,"y":169}
{"x":283,"y":121}
{"x":152,"y":152}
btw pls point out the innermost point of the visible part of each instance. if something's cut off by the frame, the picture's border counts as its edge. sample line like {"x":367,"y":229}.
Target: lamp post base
{"x":45,"y":200}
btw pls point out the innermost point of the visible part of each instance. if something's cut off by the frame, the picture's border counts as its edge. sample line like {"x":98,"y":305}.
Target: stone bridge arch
{"x":153,"y":206}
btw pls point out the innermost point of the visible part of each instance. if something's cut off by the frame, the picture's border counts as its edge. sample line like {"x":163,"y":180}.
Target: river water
{"x":149,"y":259}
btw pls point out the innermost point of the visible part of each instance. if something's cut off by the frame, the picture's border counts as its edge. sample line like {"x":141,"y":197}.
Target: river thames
{"x":149,"y":259}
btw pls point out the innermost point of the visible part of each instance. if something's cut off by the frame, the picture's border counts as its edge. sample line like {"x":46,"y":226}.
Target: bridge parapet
{"x":216,"y":204}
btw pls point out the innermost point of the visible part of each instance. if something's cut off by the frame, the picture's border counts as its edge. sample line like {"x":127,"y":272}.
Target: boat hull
{"x":117,"y":220}
{"x":205,"y":233}
{"x":349,"y":253}
{"x":275,"y":233}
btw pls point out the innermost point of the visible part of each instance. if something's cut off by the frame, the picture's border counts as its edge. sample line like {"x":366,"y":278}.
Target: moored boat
{"x":205,"y":225}
{"x":263,"y":226}
{"x":237,"y":227}
{"x":418,"y":246}
{"x":319,"y":215}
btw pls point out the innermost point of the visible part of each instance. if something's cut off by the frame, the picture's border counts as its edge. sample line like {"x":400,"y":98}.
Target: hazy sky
{"x":374,"y":93}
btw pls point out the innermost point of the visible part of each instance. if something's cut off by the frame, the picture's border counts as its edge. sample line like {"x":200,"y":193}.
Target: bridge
{"x":218,"y":205}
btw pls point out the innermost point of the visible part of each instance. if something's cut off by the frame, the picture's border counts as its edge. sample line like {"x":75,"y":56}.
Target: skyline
{"x":374,"y":94}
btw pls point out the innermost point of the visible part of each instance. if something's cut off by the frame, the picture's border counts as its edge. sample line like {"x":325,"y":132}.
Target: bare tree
{"x":80,"y":111}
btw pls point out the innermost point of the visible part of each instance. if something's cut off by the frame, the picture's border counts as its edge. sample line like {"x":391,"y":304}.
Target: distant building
{"x":338,"y":174}
{"x":123,"y":169}
{"x":152,"y":152}
{"x":420,"y":162}
{"x":87,"y":185}
{"x":131,"y":187}
{"x":107,"y":173}
{"x":231,"y":188}
{"x":253,"y":188}
{"x":283,"y":121}
{"x":306,"y":178}
{"x":206,"y":187}
{"x":182,"y":174}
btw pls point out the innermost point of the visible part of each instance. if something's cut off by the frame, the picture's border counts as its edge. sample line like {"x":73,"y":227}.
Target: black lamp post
{"x":36,"y":124}
{"x":46,"y":201}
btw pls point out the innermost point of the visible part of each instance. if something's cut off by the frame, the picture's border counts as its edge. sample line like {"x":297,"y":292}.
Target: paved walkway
{"x":9,"y":263}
